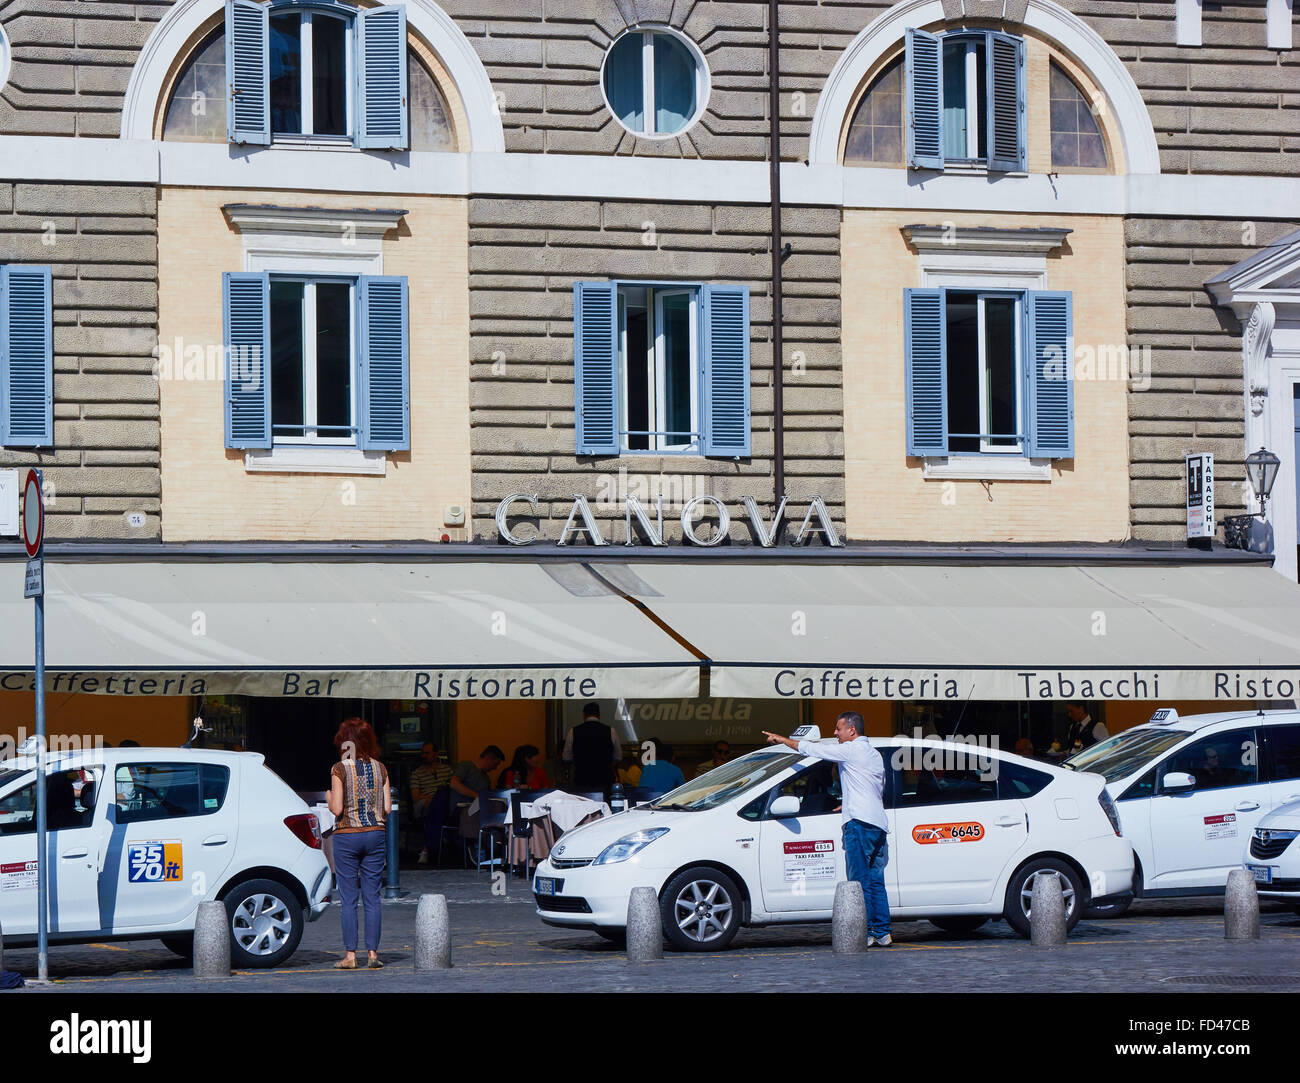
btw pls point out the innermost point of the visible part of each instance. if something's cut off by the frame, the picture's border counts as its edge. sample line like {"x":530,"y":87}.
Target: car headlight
{"x":628,"y":846}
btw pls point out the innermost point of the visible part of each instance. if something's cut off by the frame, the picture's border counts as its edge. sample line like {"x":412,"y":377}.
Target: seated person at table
{"x":426,"y":780}
{"x":462,"y":788}
{"x":721,"y":754}
{"x":628,"y":771}
{"x":525,"y":771}
{"x":661,"y":774}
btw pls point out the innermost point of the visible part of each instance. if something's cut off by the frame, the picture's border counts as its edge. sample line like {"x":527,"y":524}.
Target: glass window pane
{"x":286,"y":358}
{"x":18,"y":812}
{"x":980,"y":112}
{"x":1286,"y":752}
{"x":963,"y":371}
{"x":942,"y":787}
{"x":197,"y":110}
{"x":623,"y":85}
{"x":674,"y":84}
{"x":677,"y":369}
{"x":635,"y":365}
{"x":1076,"y":135}
{"x":1225,"y":759}
{"x":1000,"y":367}
{"x":286,"y":74}
{"x":430,"y":126}
{"x":164,"y":791}
{"x":954,"y":99}
{"x":329,"y":75}
{"x":876,"y":131}
{"x":333,"y":358}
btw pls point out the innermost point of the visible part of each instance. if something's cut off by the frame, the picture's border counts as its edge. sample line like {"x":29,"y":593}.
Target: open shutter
{"x":1005,"y":58}
{"x":385,"y":382}
{"x":248,"y":358}
{"x":381,"y":78}
{"x":248,"y":73}
{"x":726,"y":371}
{"x":26,"y":357}
{"x":924,"y":100}
{"x":595,"y":368}
{"x":925,"y":347}
{"x":1049,"y":318}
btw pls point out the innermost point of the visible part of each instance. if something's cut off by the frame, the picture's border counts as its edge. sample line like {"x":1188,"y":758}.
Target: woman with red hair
{"x":361,"y":801}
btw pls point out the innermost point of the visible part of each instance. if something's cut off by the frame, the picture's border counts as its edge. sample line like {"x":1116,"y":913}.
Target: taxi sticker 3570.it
{"x":154,"y":862}
{"x":929,"y":834}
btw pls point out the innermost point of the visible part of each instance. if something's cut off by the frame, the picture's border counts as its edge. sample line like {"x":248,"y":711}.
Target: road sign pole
{"x":34,"y":540}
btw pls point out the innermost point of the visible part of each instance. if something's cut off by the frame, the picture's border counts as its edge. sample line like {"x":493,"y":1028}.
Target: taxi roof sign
{"x":1165,"y":716}
{"x":806,"y":733}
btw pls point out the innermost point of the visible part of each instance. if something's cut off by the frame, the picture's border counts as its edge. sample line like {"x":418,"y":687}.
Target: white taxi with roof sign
{"x":757,"y":841}
{"x":138,"y":837}
{"x":1191,"y":790}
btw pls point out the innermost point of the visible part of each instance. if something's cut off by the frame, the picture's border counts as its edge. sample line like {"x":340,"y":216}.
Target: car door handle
{"x":1248,"y":806}
{"x":76,"y":853}
{"x":1010,"y":821}
{"x":215,"y":840}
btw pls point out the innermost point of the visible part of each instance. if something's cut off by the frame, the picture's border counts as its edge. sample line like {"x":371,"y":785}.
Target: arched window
{"x":1077,"y":141}
{"x":876,"y":131}
{"x":196,"y":110}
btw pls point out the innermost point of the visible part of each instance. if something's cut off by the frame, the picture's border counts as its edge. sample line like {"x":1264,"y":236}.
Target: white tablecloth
{"x":566,"y":810}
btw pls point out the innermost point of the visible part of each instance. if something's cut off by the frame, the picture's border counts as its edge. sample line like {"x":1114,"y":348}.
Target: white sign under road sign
{"x":34,"y":582}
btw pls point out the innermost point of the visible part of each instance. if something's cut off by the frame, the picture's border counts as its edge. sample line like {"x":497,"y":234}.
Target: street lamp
{"x":1261,"y":469}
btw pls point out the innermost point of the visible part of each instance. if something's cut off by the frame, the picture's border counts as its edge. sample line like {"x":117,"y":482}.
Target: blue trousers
{"x":359,"y":861}
{"x":866,"y":853}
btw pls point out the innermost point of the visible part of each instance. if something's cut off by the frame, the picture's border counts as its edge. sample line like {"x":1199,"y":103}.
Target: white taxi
{"x":1191,"y":790}
{"x":138,"y":837}
{"x":757,"y":841}
{"x":1273,"y":855}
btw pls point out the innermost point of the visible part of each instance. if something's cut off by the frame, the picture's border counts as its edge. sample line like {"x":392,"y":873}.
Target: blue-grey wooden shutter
{"x":1049,"y":318}
{"x":924,"y":100}
{"x":385,"y":398}
{"x":381,"y":78}
{"x":247,"y":317}
{"x":925,"y":346}
{"x":1005,"y":59}
{"x":595,"y":368}
{"x":26,"y":357}
{"x":726,"y":371}
{"x":248,"y":73}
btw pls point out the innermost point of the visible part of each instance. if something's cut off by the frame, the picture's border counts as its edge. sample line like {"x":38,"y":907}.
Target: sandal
{"x":374,"y":963}
{"x":344,"y":964}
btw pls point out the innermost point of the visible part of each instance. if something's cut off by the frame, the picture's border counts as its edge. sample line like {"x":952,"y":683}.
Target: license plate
{"x":1263,"y":874}
{"x":544,"y":885}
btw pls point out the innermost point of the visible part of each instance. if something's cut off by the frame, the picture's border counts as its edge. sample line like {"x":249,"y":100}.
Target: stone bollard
{"x":1047,"y":912}
{"x":432,"y":934}
{"x":848,"y":919}
{"x":1241,"y":907}
{"x":645,"y":934}
{"x":212,"y":941}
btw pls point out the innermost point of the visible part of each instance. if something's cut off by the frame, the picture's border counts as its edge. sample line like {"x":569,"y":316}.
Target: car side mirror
{"x":1177,"y":782}
{"x":784,"y":807}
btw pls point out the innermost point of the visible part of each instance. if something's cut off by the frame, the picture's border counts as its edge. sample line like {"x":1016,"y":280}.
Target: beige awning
{"x":986,"y":631}
{"x":437,"y":630}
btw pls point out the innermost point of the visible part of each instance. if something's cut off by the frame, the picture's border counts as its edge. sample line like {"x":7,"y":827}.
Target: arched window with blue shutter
{"x":381,"y":78}
{"x":248,"y":72}
{"x":924,"y":100}
{"x":26,"y":357}
{"x":1006,"y":105}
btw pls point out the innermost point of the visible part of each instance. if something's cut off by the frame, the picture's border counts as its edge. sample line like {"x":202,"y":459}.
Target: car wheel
{"x":180,"y":945}
{"x":959,"y":924}
{"x":1111,"y":910}
{"x":614,"y":936}
{"x":700,"y":909}
{"x":1021,"y":889}
{"x":266,"y":923}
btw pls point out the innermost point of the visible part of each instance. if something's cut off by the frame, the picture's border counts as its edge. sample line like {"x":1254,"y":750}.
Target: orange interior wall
{"x":162,"y":721}
{"x":1122,"y":714}
{"x":504,"y":723}
{"x":878,"y":714}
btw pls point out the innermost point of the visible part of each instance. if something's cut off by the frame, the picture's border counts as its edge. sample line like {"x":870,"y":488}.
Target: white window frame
{"x":1017,"y":362}
{"x":656,"y":361}
{"x":4,"y":57}
{"x":702,"y":80}
{"x":306,"y":72}
{"x":310,"y":386}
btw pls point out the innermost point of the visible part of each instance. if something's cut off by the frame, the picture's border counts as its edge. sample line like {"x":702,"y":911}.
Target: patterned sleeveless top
{"x":363,"y":795}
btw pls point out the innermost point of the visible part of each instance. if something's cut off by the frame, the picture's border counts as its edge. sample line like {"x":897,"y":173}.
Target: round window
{"x":655,"y":82}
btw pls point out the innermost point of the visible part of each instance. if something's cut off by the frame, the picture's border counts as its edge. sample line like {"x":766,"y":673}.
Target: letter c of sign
{"x":503,"y":512}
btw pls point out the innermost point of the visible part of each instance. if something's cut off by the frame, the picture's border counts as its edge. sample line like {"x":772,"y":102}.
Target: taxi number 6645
{"x":967,"y":831}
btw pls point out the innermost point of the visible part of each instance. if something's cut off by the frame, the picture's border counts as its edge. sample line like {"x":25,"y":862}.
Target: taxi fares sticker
{"x":929,"y":834}
{"x":809,"y":860}
{"x":17,"y":875}
{"x":1222,"y":826}
{"x":154,"y":862}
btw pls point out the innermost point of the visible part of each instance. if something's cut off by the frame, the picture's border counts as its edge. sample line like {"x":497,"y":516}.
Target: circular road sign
{"x":33,"y":514}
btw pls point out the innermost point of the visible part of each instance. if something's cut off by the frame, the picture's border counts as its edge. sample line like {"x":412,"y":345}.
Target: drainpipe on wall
{"x":778,"y":351}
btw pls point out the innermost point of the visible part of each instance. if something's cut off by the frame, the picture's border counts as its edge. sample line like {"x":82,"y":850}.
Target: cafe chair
{"x":492,"y":808}
{"x":520,"y":827}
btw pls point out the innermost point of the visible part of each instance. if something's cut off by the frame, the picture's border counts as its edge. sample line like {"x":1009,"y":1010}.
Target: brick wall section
{"x":71,"y":63}
{"x":521,"y":308}
{"x":104,"y":262}
{"x":1195,"y":399}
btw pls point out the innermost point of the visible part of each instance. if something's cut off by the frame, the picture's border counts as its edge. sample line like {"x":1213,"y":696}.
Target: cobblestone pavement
{"x":500,"y":945}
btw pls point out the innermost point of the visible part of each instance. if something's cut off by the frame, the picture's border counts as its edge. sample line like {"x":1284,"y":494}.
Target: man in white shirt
{"x":865,"y":828}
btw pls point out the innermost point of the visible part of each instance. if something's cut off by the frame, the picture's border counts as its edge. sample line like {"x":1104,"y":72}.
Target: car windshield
{"x":7,"y":775}
{"x":1122,"y":755}
{"x":732,"y":779}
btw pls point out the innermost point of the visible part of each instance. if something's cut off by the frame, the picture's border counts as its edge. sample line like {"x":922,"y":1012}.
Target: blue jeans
{"x":866,"y":853}
{"x":359,"y":859}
